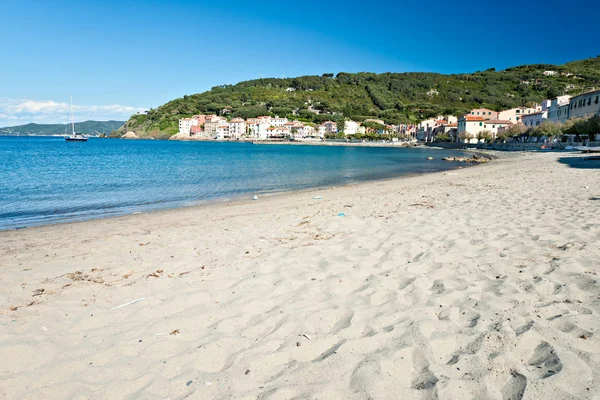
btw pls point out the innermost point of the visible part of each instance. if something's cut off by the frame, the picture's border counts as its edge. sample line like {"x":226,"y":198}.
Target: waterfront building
{"x":222,"y":131}
{"x":212,"y":122}
{"x":277,"y":121}
{"x":330,"y":127}
{"x":186,"y":124}
{"x":277,"y":132}
{"x":351,"y":127}
{"x":559,"y":109}
{"x":237,"y":128}
{"x":534,"y":119}
{"x":515,"y":115}
{"x":496,"y":125}
{"x":257,"y":127}
{"x":469,"y":126}
{"x":484,"y":113}
{"x":585,"y":105}
{"x":196,"y":131}
{"x":429,"y":128}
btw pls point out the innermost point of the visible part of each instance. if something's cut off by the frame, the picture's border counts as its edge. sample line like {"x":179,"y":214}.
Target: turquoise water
{"x":46,"y":179}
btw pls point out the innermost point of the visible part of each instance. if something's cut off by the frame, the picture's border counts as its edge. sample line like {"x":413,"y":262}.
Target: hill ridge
{"x":88,"y":127}
{"x":405,"y":97}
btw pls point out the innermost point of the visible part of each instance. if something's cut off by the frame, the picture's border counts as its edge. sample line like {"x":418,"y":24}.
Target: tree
{"x":464,"y":136}
{"x":548,"y":129}
{"x":484,"y":135}
{"x":514,"y":130}
{"x":443,"y":137}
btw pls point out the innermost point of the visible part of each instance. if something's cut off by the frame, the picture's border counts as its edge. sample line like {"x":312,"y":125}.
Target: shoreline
{"x":245,"y":198}
{"x":470,"y":283}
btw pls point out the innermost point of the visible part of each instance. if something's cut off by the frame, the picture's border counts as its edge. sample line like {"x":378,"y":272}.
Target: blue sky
{"x":118,"y":57}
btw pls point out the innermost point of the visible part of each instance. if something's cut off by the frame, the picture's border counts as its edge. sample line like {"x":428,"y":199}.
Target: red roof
{"x":195,"y":129}
{"x":474,"y":118}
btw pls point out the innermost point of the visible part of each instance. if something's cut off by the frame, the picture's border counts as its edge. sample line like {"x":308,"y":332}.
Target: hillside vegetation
{"x":87,"y":127}
{"x":394,"y":97}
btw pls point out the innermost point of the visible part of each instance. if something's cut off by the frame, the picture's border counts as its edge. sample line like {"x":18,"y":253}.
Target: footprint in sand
{"x":424,"y":380}
{"x":438,"y":287}
{"x":515,"y":387}
{"x":545,"y":361}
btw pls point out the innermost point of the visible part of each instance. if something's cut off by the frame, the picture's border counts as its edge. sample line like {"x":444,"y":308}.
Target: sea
{"x":45,"y":180}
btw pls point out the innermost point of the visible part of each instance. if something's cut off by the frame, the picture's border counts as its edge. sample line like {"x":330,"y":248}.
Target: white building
{"x":277,"y":132}
{"x":237,"y":128}
{"x":257,"y":127}
{"x":308,"y":131}
{"x":351,"y":127}
{"x":469,"y":126}
{"x":559,"y":109}
{"x":494,"y":125}
{"x":330,"y":127}
{"x":222,"y":131}
{"x":585,"y":105}
{"x":277,"y":121}
{"x":515,"y":115}
{"x":185,"y":125}
{"x":534,"y":119}
{"x":550,"y":73}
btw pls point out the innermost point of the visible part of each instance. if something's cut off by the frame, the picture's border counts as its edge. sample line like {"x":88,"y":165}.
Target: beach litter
{"x":255,"y":197}
{"x":342,"y":215}
{"x":127,"y":304}
{"x":317,"y":198}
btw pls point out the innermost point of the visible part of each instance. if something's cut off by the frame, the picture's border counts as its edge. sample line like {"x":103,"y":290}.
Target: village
{"x":478,"y":125}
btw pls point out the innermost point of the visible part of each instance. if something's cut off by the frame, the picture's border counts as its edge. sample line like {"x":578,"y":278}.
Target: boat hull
{"x":72,"y":139}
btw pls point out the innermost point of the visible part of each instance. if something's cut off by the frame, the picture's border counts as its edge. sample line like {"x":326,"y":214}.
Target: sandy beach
{"x":480,"y":283}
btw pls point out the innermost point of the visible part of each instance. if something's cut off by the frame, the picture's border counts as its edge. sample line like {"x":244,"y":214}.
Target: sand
{"x":480,"y":283}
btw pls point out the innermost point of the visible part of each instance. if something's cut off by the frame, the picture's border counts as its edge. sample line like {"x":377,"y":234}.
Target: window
{"x":518,"y":111}
{"x":590,"y":101}
{"x":489,"y":113}
{"x":517,"y":118}
{"x":596,"y":101}
{"x":481,"y":123}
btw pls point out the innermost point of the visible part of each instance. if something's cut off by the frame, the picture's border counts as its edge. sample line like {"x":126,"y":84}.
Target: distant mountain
{"x":394,"y":97}
{"x":87,"y":127}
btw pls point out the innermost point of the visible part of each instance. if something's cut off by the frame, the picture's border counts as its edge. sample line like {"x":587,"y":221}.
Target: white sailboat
{"x":73,"y":137}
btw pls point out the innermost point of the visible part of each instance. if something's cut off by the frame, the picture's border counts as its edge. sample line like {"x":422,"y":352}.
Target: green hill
{"x":87,"y":127}
{"x":394,"y":97}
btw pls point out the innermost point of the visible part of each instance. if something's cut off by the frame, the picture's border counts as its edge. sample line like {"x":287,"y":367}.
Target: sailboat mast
{"x":72,"y":119}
